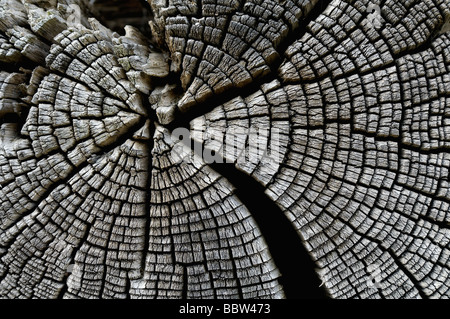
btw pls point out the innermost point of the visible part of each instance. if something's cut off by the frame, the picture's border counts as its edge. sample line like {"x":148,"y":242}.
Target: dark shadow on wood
{"x":298,"y":275}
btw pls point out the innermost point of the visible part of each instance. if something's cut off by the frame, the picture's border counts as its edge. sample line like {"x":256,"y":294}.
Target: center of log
{"x":116,"y":14}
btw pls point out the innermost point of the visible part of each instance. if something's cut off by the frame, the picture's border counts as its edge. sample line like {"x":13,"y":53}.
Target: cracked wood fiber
{"x":100,"y":199}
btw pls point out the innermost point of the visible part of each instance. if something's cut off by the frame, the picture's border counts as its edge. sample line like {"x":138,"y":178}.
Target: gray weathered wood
{"x":348,"y":99}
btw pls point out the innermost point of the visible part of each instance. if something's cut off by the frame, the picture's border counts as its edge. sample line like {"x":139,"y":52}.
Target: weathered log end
{"x":224,"y":149}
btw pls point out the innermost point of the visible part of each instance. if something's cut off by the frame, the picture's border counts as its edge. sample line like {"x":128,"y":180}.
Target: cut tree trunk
{"x":224,"y":149}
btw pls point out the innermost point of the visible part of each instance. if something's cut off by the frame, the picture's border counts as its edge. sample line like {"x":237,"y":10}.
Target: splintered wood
{"x":347,"y":102}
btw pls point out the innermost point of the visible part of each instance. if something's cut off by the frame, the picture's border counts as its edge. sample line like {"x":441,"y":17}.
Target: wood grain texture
{"x":338,"y":109}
